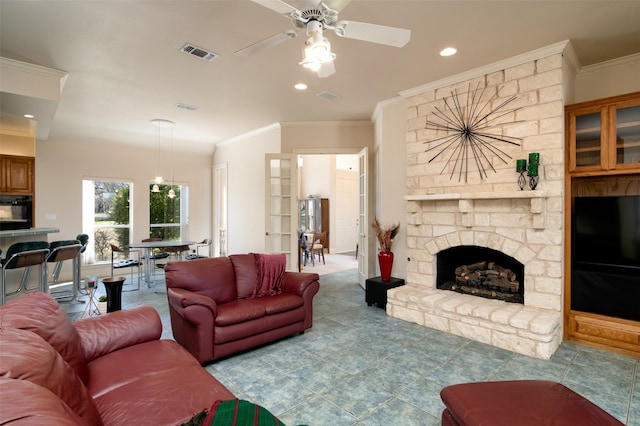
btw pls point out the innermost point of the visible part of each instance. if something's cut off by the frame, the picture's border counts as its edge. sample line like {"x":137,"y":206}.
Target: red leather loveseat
{"x":225,"y":305}
{"x":106,"y":370}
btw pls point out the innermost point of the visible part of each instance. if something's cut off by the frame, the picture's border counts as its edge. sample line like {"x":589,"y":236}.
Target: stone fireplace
{"x":524,"y":226}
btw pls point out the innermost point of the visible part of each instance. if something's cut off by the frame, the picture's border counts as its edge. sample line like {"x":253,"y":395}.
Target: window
{"x":106,"y":216}
{"x":167,"y":214}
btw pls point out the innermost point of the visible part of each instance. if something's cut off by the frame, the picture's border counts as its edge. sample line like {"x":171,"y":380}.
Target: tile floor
{"x":357,"y":366}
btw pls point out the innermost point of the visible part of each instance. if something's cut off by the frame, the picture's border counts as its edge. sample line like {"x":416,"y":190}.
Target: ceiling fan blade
{"x":267,"y":42}
{"x":391,"y":36}
{"x":277,"y":6}
{"x":337,"y":5}
{"x":327,"y":69}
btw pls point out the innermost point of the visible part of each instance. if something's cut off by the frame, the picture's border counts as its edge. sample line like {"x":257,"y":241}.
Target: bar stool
{"x":84,"y":240}
{"x":59,"y":252}
{"x":25,"y":255}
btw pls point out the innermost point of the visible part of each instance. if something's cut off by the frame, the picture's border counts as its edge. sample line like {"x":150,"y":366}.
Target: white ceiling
{"x":125,"y":66}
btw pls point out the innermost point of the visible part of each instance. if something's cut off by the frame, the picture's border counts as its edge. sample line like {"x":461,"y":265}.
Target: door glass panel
{"x":628,"y":135}
{"x":588,"y":140}
{"x":281,"y":218}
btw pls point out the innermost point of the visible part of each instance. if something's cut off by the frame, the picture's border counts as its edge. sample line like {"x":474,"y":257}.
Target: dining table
{"x":149,"y":246}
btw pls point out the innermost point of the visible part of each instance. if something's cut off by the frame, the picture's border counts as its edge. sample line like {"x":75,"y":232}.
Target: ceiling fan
{"x":314,"y":19}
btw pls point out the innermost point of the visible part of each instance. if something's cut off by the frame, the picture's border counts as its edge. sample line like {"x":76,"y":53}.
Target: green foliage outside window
{"x":164,"y":213}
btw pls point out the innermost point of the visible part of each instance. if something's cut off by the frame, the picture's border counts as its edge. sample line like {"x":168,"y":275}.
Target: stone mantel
{"x":466,"y":207}
{"x":481,"y":196}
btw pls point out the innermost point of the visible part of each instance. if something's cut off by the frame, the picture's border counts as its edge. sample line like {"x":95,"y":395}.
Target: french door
{"x":281,"y":221}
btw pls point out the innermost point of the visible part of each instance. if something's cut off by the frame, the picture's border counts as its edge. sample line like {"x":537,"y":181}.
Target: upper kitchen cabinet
{"x":17,"y":175}
{"x":603,"y":136}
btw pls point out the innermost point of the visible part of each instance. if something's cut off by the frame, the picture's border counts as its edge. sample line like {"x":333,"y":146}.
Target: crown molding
{"x":26,"y":79}
{"x":613,"y":63}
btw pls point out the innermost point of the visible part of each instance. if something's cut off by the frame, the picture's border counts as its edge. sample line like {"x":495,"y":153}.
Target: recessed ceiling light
{"x":29,"y":116}
{"x":301,"y":86}
{"x":449,"y":51}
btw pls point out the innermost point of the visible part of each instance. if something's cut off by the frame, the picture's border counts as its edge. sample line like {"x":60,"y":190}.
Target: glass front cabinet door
{"x":604,"y":135}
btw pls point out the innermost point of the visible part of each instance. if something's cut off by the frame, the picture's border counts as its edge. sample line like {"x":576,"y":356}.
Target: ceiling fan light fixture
{"x":317,"y":52}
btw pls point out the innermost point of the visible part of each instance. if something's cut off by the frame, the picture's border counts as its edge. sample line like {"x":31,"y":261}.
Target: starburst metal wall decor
{"x":470,"y":132}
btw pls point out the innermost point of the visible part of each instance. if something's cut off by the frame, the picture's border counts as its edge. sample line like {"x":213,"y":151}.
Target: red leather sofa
{"x":521,"y":403}
{"x":106,"y":370}
{"x":216,"y":309}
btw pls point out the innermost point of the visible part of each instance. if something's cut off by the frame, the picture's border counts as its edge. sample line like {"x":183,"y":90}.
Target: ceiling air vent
{"x":201,"y":53}
{"x":187,"y":107}
{"x":327,"y":96}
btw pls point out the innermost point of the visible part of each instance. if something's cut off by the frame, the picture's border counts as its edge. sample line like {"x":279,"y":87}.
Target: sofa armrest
{"x":179,"y":299}
{"x":117,"y":330}
{"x":298,"y":282}
{"x":192,"y":321}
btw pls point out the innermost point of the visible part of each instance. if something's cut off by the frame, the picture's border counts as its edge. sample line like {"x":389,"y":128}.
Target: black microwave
{"x":16,"y":212}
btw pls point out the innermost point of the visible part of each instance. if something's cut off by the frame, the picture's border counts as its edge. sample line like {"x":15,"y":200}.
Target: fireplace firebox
{"x":482,"y":272}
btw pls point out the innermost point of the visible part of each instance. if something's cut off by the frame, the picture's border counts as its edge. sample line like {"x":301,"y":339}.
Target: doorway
{"x":335,"y":177}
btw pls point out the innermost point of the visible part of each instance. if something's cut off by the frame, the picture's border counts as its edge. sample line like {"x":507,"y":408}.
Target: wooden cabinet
{"x":17,"y":175}
{"x":604,"y":135}
{"x":314,"y":216}
{"x":602,"y":159}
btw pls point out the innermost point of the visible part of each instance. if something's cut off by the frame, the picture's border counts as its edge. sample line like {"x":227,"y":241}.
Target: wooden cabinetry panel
{"x":602,"y":159}
{"x":17,"y":175}
{"x":617,"y":334}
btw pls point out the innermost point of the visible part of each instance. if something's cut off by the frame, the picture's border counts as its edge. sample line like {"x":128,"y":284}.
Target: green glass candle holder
{"x":534,"y":157}
{"x":521,"y":165}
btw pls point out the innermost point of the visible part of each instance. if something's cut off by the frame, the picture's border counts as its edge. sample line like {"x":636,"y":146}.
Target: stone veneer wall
{"x":491,"y":212}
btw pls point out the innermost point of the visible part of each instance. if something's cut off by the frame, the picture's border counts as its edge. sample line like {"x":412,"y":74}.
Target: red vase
{"x":385,"y":259}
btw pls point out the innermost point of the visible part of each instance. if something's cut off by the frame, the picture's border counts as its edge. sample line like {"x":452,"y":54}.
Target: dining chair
{"x":317,"y":246}
{"x":126,"y":263}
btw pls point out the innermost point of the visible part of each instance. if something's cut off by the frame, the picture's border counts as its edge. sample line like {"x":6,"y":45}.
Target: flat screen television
{"x":606,"y":231}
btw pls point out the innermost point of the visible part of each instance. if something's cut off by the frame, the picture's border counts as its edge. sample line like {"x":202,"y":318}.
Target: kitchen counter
{"x":28,"y":232}
{"x":7,"y":238}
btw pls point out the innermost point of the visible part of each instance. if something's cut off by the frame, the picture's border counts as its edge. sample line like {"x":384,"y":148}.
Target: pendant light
{"x":159,"y":123}
{"x":172,"y":193}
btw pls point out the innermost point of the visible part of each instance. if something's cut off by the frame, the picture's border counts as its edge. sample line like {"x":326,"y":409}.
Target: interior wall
{"x":611,"y":78}
{"x":17,"y":135}
{"x":391,"y":176}
{"x":316,"y":175}
{"x":62,"y":166}
{"x":326,"y":137}
{"x":245,"y":158}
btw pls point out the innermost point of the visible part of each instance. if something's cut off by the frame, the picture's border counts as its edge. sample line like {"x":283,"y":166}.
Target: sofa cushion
{"x":40,"y":313}
{"x":239,"y":311}
{"x":26,"y":356}
{"x":244,"y":266}
{"x":25,"y":403}
{"x":280,"y":303}
{"x":211,"y":277}
{"x":170,"y":398}
{"x":128,"y":364}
